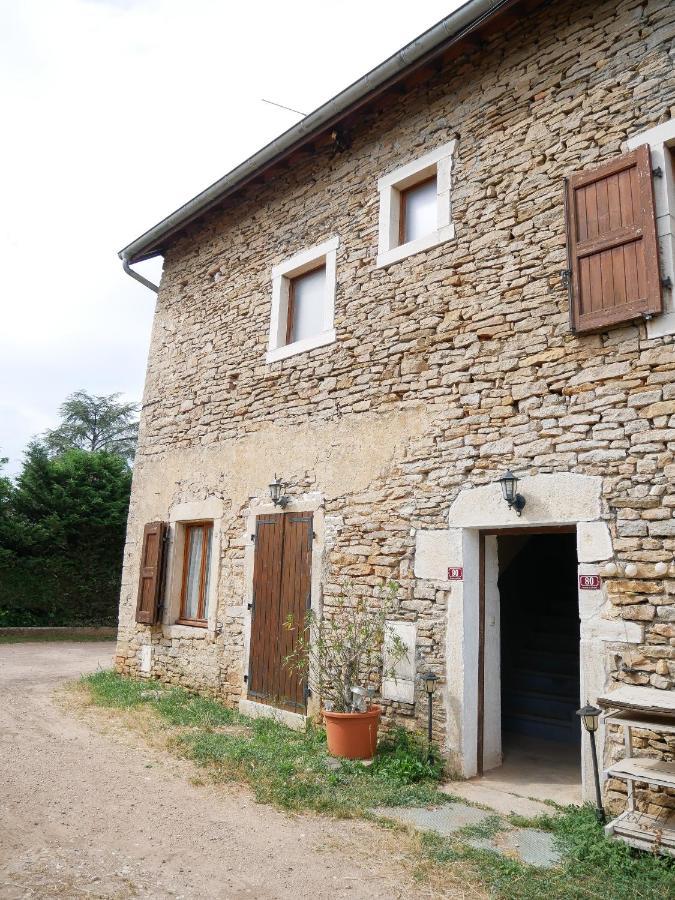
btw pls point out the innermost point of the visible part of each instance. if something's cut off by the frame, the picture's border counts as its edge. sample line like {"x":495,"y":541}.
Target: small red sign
{"x":455,"y":573}
{"x":589,"y":582}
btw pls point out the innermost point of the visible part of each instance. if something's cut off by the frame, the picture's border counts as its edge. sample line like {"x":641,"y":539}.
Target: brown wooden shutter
{"x":281,"y":588}
{"x":150,"y":580}
{"x":296,"y":587}
{"x":612,"y":244}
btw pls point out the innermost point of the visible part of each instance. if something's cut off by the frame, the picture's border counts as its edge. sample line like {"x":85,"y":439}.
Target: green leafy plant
{"x":343,"y":648}
{"x":403,"y":757}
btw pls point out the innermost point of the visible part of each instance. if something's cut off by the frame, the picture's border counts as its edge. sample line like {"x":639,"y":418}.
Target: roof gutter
{"x":144,"y":281}
{"x":451,"y":29}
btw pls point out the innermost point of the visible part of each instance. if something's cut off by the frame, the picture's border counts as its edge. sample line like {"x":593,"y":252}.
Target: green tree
{"x":62,"y":531}
{"x":94,"y":423}
{"x":6,"y":497}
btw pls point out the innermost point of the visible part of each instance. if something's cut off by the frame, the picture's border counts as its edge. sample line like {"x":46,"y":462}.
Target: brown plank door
{"x":281,"y":588}
{"x":612,"y":243}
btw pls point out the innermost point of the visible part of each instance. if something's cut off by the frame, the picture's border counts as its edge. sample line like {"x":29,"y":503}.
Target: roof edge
{"x":452,"y":27}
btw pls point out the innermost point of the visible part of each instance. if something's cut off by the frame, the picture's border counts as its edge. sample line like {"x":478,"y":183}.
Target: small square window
{"x":306,"y":302}
{"x":415,"y":208}
{"x":194,"y":601}
{"x":418,"y":215}
{"x":303,"y":302}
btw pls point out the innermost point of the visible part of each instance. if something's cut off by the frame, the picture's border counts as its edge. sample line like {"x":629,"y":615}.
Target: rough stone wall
{"x":449,"y":366}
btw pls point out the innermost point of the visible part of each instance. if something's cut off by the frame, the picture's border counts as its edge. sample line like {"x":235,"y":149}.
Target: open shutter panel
{"x":264,"y":662}
{"x":612,"y":245}
{"x":150,"y":581}
{"x":296,"y":586}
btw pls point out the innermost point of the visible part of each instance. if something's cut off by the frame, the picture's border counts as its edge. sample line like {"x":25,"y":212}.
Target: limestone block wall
{"x":448,"y":367}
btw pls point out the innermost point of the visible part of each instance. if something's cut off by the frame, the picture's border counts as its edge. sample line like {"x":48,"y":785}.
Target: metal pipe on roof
{"x":454,"y":26}
{"x":144,"y":281}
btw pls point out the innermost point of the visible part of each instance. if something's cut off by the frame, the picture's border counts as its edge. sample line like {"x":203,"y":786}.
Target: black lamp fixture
{"x":590,"y":716}
{"x":277,"y":493}
{"x":509,"y":484}
{"x":430,"y":679}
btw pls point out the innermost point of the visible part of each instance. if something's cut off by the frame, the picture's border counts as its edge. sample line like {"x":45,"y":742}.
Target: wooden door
{"x":281,"y":588}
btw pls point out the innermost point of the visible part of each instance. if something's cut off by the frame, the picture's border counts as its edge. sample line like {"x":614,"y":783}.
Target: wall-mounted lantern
{"x":277,"y":493}
{"x":509,"y":484}
{"x":590,"y":716}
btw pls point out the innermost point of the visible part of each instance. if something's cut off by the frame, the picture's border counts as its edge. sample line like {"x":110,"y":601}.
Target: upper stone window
{"x":303,"y":302}
{"x":418,"y":211}
{"x":415,"y":207}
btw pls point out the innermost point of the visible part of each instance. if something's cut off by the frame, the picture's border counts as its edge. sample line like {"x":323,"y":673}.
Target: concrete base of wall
{"x":263,"y":711}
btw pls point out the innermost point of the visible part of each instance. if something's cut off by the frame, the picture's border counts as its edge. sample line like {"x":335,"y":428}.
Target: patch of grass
{"x":488,"y":828}
{"x":592,"y":868}
{"x":403,"y":757}
{"x":175,"y":706}
{"x":292,"y":770}
{"x":289,"y":768}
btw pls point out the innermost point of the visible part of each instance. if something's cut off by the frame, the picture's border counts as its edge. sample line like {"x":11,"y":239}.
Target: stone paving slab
{"x":529,"y":845}
{"x":445,"y":820}
{"x":534,"y":847}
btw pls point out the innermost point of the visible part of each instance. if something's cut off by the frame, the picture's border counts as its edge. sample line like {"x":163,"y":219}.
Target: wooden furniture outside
{"x":651,"y":710}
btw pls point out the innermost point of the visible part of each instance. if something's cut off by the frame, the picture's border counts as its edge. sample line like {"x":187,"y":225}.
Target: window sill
{"x":434,"y":239}
{"x":661,"y":325}
{"x":185,"y":629}
{"x":317,"y":340}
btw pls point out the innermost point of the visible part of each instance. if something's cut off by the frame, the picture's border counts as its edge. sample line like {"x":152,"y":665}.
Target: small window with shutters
{"x":613,"y":273}
{"x":194,"y":600}
{"x":151,"y":578}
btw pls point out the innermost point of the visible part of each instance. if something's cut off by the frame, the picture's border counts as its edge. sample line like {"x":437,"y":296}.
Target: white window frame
{"x":282,"y":275}
{"x":660,"y":139}
{"x":180,"y":516}
{"x":439,"y":163}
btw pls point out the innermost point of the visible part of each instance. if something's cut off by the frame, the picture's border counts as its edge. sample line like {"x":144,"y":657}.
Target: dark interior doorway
{"x":539,"y":623}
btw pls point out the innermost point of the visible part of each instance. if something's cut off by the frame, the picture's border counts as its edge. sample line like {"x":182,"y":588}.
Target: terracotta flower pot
{"x":352,"y":735}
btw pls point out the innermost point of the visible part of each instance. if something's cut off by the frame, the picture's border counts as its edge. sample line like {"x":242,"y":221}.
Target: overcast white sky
{"x":115,"y":112}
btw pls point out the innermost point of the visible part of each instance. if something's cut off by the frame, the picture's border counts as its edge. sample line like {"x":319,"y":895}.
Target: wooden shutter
{"x":150,"y":580}
{"x":296,"y":590}
{"x":265,"y":612}
{"x":612,"y":244}
{"x":281,"y":587}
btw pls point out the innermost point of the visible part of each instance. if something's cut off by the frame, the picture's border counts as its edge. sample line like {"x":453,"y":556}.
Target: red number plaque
{"x":455,"y":573}
{"x":589,"y":582}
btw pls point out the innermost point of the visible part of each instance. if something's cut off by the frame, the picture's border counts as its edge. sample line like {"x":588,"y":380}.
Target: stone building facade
{"x":441,"y":368}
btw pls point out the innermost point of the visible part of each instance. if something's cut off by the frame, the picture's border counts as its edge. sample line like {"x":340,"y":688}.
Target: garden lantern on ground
{"x":430,"y":680}
{"x":590,"y":716}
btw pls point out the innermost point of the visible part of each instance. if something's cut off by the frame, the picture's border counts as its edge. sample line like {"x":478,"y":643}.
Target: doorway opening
{"x":532,"y":665}
{"x":539,"y":638}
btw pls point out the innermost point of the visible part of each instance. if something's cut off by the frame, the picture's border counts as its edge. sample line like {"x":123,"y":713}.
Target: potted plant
{"x":341,"y":656}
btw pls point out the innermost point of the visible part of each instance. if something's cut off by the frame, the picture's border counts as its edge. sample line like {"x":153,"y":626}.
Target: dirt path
{"x":91,"y":814}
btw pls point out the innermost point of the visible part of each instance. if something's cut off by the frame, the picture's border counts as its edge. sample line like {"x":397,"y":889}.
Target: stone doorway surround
{"x":307,"y":503}
{"x":551,"y":500}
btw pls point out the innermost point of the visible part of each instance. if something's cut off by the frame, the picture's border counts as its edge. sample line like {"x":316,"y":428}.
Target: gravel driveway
{"x":89,"y":812}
